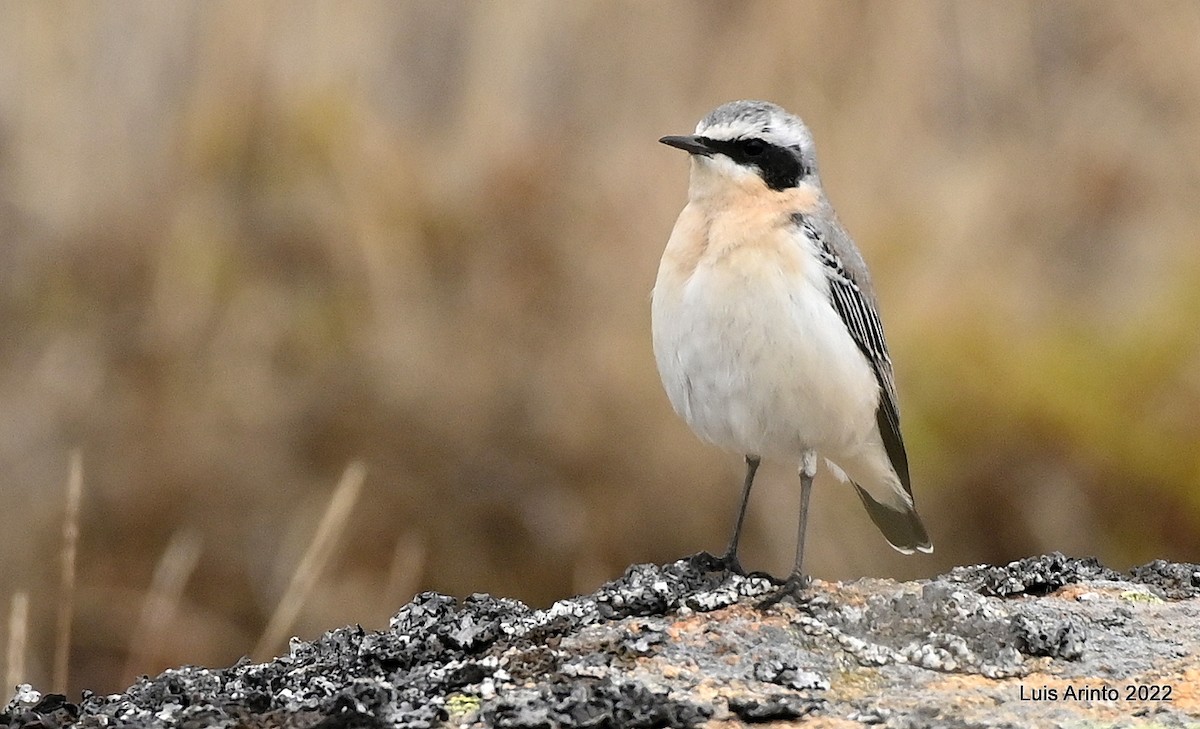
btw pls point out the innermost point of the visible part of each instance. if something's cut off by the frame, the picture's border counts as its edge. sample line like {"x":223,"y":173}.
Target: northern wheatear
{"x":765,"y":326}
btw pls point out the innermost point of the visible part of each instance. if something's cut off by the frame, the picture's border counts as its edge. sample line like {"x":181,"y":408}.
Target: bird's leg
{"x":730,"y":559}
{"x":797,"y":581}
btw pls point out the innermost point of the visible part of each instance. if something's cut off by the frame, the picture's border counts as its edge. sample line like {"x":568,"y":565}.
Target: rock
{"x":1043,"y":641}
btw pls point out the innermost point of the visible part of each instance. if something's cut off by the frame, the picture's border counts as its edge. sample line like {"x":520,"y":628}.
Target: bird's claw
{"x":732,"y":565}
{"x":794,"y":587}
{"x":727,"y":562}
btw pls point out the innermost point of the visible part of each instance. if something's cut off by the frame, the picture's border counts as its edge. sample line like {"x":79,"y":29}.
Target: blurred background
{"x":245,"y":245}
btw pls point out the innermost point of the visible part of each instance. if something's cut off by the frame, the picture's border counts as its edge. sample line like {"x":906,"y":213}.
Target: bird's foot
{"x":731,"y":564}
{"x":794,"y":587}
{"x":727,"y":562}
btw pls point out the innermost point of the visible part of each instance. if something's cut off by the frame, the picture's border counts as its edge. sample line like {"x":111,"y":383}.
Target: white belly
{"x":757,"y":361}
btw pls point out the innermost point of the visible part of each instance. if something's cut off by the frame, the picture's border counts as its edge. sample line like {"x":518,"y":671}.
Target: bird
{"x":766,"y":330}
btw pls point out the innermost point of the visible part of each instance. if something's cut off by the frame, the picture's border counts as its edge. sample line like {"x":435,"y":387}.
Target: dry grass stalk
{"x":66,"y":592}
{"x":18,"y":638}
{"x":320,"y":549}
{"x":171,"y":575}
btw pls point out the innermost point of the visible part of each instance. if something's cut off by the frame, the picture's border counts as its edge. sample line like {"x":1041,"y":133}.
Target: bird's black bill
{"x":691,"y":144}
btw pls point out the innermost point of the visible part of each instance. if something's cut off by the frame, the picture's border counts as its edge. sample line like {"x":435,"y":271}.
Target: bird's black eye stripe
{"x":780,"y":167}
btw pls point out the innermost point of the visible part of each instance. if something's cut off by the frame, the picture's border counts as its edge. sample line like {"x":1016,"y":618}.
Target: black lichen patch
{"x":697,"y":582}
{"x":350,"y":719}
{"x":436,"y":647}
{"x":598,"y":703}
{"x":1176,"y":580}
{"x":348,"y":677}
{"x":47,"y":712}
{"x":1034,"y":576}
{"x":774,"y":708}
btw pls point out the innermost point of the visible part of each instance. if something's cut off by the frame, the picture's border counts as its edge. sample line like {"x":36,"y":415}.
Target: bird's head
{"x":749,"y":143}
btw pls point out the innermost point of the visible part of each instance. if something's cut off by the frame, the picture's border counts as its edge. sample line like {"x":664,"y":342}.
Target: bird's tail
{"x":901,"y":527}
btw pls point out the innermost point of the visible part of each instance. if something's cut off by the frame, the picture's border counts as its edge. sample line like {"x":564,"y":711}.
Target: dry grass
{"x":68,"y":562}
{"x":316,"y":557}
{"x":18,"y":640}
{"x":243,"y":245}
{"x":162,"y":601}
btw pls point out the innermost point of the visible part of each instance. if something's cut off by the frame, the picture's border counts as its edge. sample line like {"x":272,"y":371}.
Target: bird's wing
{"x":851,"y":297}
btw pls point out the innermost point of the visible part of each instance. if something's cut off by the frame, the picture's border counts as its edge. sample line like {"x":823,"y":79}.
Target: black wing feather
{"x":862,"y":320}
